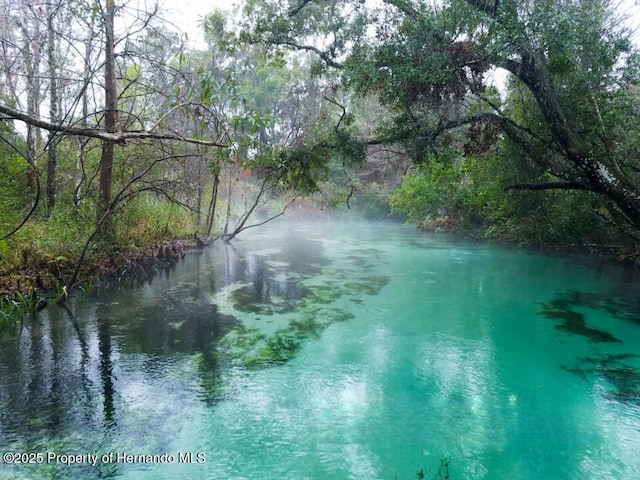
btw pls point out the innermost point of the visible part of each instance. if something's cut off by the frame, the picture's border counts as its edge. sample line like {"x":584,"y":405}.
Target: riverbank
{"x":33,"y":286}
{"x":624,"y":254}
{"x":43,"y":279}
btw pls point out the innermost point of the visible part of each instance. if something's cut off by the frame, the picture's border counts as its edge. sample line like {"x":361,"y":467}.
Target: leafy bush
{"x":472,"y":193}
{"x":431,"y":190}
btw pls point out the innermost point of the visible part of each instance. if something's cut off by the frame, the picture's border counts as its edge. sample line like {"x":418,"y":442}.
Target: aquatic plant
{"x":308,"y":305}
{"x":338,"y":315}
{"x":324,"y":293}
{"x":575,"y":322}
{"x":18,"y":306}
{"x":370,"y":285}
{"x":307,"y":327}
{"x":623,"y":378}
{"x":564,"y":306}
{"x":240,"y":340}
{"x":617,"y":371}
{"x":618,"y":306}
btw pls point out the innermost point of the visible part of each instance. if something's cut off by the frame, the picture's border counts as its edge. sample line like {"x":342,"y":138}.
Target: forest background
{"x":514,"y":121}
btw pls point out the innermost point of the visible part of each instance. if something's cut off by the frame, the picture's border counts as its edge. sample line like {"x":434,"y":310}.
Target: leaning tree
{"x":572,"y":63}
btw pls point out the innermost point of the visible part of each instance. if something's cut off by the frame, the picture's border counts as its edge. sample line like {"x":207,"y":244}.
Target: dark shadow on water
{"x":106,"y":371}
{"x":564,"y":307}
{"x":619,"y":372}
{"x":621,"y":377}
{"x":575,"y":323}
{"x":623,"y":307}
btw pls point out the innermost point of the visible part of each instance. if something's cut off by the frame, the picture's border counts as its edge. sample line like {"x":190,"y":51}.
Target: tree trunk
{"x":31,"y":55}
{"x":83,"y":141}
{"x":597,"y":174}
{"x":212,"y":207}
{"x":52,"y":144}
{"x":106,"y":160}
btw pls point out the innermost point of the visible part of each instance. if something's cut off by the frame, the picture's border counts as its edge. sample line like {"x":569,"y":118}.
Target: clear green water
{"x":336,"y":351}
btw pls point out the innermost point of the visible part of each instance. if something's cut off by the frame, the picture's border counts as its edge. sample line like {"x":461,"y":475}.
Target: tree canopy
{"x":122,"y":115}
{"x":570,"y":104}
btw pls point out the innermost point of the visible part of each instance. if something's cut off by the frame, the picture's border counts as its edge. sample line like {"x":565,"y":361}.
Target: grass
{"x":36,"y":260}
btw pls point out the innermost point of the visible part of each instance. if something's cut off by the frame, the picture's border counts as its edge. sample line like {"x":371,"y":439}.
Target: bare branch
{"x":120,"y":196}
{"x":116,"y":137}
{"x":282,"y":212}
{"x":339,"y":105}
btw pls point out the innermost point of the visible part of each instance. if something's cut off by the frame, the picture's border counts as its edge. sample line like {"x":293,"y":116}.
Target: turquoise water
{"x":335,"y":350}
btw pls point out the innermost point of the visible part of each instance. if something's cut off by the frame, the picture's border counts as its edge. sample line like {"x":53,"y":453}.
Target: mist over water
{"x":336,"y":350}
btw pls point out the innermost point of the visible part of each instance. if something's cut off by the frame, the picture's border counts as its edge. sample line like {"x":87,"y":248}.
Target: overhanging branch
{"x":116,"y":137}
{"x":309,"y":48}
{"x":548,"y":186}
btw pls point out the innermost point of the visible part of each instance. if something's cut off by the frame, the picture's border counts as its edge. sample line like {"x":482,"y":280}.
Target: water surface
{"x":334,"y":350}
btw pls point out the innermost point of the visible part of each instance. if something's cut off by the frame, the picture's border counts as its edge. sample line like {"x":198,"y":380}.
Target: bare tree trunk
{"x":212,"y":207}
{"x":226,"y":223}
{"x":82,"y":141}
{"x":106,"y":161}
{"x":52,"y":144}
{"x":31,"y":57}
{"x":241,"y":225}
{"x":247,"y":212}
{"x":199,"y":190}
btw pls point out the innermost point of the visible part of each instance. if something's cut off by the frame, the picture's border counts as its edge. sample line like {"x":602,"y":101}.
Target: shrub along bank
{"x":38,"y":261}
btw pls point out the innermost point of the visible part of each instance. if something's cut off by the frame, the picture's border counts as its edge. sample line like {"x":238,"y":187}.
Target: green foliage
{"x":373,"y":202}
{"x":301,"y":168}
{"x":549,"y":217}
{"x":427,"y":64}
{"x":347,"y":148}
{"x":17,"y":182}
{"x":270,"y":92}
{"x":472,"y":194}
{"x":149,"y":218}
{"x":429,"y":191}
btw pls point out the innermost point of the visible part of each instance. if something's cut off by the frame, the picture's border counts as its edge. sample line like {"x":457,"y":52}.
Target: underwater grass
{"x":271,"y":331}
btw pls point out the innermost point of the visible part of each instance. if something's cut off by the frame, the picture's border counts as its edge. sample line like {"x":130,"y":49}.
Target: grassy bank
{"x":40,"y":258}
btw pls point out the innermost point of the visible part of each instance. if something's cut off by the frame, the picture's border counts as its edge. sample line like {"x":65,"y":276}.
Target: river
{"x":338,"y":350}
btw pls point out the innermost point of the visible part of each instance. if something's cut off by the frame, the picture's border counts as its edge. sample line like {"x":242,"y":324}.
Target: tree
{"x":52,"y":63}
{"x":110,"y":111}
{"x":98,"y":119}
{"x":428,"y":63}
{"x":275,"y":111}
{"x":73,"y":83}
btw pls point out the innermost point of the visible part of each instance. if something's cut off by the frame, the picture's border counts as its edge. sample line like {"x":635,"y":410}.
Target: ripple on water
{"x":406,"y":352}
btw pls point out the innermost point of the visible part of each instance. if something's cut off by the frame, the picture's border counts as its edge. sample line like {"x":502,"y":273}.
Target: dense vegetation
{"x":550,"y":158}
{"x":509,"y":120}
{"x":117,"y":135}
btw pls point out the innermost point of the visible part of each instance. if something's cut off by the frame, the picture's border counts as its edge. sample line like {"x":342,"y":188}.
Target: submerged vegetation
{"x":575,"y":323}
{"x":271,"y":329}
{"x":619,"y":371}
